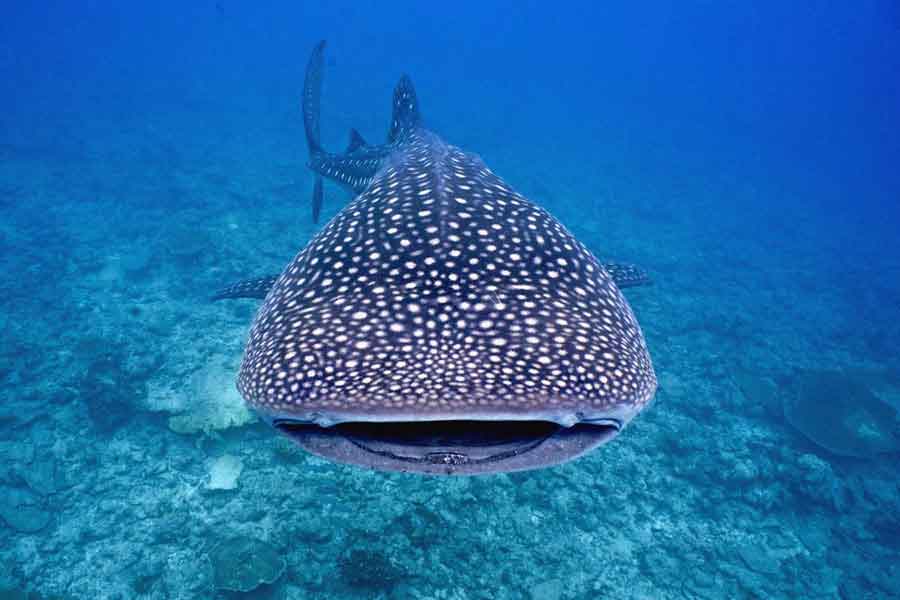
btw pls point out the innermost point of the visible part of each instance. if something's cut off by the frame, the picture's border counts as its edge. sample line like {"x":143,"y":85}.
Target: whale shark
{"x":441,"y":322}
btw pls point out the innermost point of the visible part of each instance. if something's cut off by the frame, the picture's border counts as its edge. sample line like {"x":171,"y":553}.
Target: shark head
{"x":442,"y":323}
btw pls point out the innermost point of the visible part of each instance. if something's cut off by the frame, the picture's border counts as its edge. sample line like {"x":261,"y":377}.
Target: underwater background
{"x":745,"y":154}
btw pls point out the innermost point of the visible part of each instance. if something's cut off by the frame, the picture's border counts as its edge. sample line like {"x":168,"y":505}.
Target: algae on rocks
{"x":23,"y":510}
{"x":243,"y":564}
{"x":186,"y":576}
{"x":110,"y":392}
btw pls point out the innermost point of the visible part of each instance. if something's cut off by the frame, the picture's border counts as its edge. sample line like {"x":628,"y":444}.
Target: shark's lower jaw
{"x":450,"y":447}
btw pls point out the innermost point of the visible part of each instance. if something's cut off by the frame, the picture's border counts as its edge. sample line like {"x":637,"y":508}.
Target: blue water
{"x":745,"y":154}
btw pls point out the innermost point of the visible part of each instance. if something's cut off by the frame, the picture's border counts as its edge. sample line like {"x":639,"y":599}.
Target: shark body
{"x":441,"y":322}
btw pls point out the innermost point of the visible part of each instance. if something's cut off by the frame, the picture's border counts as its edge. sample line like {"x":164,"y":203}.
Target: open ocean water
{"x":745,"y":154}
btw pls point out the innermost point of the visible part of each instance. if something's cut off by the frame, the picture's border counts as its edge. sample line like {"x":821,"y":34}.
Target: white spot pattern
{"x":440,"y":290}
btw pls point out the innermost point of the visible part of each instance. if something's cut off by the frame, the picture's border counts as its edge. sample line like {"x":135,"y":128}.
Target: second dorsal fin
{"x":356,"y":141}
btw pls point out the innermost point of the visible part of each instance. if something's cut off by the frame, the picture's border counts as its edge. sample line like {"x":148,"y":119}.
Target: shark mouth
{"x":450,"y":447}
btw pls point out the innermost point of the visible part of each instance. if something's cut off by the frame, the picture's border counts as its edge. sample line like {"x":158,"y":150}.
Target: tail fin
{"x":317,"y":199}
{"x":312,"y":93}
{"x":312,"y":96}
{"x":406,"y":110}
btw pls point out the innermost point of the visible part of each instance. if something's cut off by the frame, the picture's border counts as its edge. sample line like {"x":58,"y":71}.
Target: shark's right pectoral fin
{"x":249,"y":288}
{"x":625,"y":275}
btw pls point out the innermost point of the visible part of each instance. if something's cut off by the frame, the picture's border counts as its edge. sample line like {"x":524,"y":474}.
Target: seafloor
{"x":131,"y":470}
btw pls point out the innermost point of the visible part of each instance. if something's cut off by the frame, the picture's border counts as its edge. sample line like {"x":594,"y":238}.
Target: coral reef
{"x":130,"y":467}
{"x":23,"y":510}
{"x":364,"y":568}
{"x":209,"y":403}
{"x":224,"y":473}
{"x":840,"y":414}
{"x":111,"y":394}
{"x":244,"y":564}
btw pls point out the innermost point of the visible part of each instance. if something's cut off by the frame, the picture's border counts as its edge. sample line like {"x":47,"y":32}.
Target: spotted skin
{"x":356,"y":168}
{"x":441,"y":293}
{"x":623,"y":275}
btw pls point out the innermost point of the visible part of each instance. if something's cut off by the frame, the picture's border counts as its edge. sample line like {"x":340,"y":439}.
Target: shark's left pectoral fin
{"x":249,"y":288}
{"x":625,"y":275}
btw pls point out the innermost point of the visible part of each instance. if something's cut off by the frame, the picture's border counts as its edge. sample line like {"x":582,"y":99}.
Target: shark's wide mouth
{"x":450,"y":447}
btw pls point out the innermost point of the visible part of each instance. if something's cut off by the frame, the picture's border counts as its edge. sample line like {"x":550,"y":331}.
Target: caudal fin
{"x":312,"y":110}
{"x":312,"y":94}
{"x":406,"y":110}
{"x":317,"y":199}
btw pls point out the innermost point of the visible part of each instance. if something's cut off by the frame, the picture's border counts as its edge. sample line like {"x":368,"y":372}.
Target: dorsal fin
{"x":406,"y":110}
{"x":356,"y":141}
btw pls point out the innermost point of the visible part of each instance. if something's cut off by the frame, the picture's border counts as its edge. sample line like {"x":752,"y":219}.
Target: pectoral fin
{"x":625,"y":275}
{"x":249,"y":288}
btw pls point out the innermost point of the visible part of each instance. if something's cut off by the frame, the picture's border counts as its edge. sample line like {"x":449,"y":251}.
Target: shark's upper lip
{"x":617,"y":415}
